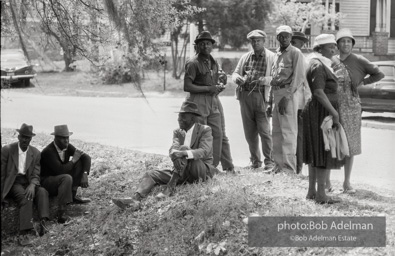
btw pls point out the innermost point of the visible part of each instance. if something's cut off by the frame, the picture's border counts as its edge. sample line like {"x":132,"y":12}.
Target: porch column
{"x":378,"y":16}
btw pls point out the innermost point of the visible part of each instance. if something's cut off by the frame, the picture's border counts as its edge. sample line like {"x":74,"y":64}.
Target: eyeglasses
{"x":287,"y":36}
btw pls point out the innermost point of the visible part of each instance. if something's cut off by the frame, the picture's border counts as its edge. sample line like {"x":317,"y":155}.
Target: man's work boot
{"x":132,"y":202}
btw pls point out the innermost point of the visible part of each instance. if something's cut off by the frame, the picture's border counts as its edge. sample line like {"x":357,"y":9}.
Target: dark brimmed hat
{"x":204,"y":35}
{"x":26,"y":130}
{"x":61,"y":130}
{"x":300,"y":36}
{"x":189,"y":107}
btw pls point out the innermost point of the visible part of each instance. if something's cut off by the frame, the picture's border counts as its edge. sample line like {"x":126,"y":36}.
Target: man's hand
{"x":84,"y":181}
{"x":179,"y":164}
{"x":239,"y":80}
{"x":178,"y":154}
{"x":29,"y":192}
{"x":77,"y":155}
{"x":282,"y":105}
{"x":213,"y":89}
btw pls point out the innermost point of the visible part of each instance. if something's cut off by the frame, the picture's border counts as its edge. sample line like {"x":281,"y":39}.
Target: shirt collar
{"x":261,"y":54}
{"x":20,"y":150}
{"x":58,"y":149}
{"x":286,"y":49}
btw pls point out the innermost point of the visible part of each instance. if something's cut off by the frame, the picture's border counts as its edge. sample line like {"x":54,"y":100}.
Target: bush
{"x":118,"y":73}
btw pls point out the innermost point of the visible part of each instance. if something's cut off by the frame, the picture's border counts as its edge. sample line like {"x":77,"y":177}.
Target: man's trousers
{"x":17,"y":192}
{"x":256,"y":124}
{"x":209,"y":108}
{"x":285,"y":131}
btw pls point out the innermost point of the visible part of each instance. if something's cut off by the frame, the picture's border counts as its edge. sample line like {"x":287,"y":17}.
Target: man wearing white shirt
{"x":20,"y":180}
{"x":191,"y":153}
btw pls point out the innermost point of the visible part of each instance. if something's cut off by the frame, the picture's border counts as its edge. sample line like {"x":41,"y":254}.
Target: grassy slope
{"x":169,"y":227}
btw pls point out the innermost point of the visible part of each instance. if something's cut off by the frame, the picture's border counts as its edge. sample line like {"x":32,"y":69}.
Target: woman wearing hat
{"x":351,"y":70}
{"x":323,"y":84}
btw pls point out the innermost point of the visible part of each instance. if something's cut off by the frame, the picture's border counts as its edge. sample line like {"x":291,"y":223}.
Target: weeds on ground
{"x":201,"y":219}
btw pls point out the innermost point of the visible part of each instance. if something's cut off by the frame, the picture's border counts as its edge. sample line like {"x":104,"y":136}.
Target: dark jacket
{"x":52,"y":165}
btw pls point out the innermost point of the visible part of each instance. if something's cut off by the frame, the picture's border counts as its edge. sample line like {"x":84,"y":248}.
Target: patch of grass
{"x":199,"y":218}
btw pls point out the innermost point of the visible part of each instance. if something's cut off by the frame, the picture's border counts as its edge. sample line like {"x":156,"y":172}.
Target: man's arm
{"x":237,"y":76}
{"x":50,"y":159}
{"x":299,"y":74}
{"x":34,"y":176}
{"x":176,"y":144}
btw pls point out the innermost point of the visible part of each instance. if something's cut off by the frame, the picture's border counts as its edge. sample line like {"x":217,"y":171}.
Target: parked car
{"x":380,"y":96}
{"x":15,"y":68}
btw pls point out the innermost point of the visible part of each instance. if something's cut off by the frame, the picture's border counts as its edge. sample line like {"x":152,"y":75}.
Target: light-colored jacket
{"x":335,"y":140}
{"x":239,"y":70}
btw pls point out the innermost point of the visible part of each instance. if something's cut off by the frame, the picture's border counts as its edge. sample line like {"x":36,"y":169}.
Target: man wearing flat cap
{"x":298,"y":40}
{"x":191,"y":153}
{"x":62,"y":176}
{"x":253,"y":76}
{"x":20,"y":181}
{"x":288,"y":75}
{"x":204,"y":81}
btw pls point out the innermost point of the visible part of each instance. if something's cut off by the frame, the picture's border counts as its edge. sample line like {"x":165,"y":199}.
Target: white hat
{"x":324,"y":39}
{"x":345,"y":32}
{"x":284,"y":28}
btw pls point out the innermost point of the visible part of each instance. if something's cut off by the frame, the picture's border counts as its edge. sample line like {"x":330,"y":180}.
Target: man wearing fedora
{"x":298,"y":40}
{"x":62,"y":176}
{"x":191,"y":153}
{"x":204,"y":81}
{"x":288,"y":75}
{"x":253,"y":75}
{"x":20,"y":180}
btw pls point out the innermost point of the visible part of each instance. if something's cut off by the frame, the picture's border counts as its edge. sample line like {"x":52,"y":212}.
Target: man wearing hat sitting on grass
{"x":62,"y":176}
{"x":288,"y":75}
{"x":20,"y":180}
{"x":253,"y":75}
{"x":191,"y":154}
{"x":298,"y":40}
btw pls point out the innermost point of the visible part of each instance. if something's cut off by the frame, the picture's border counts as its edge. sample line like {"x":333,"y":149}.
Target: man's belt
{"x":253,"y":87}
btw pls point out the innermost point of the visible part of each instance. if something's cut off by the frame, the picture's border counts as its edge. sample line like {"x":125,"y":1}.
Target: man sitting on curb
{"x":20,"y":180}
{"x":60,"y":176}
{"x":191,"y":154}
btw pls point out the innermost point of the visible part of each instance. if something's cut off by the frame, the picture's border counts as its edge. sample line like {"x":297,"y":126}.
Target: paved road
{"x":134,"y":124}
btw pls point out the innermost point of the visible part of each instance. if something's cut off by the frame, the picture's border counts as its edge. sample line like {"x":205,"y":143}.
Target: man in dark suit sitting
{"x":191,"y":154}
{"x":62,"y":176}
{"x":20,"y":180}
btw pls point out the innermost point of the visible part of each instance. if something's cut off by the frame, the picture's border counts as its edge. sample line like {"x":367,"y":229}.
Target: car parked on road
{"x":380,"y":96}
{"x":15,"y":68}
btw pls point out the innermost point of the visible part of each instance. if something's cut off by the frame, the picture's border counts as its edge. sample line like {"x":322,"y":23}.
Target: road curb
{"x":378,"y":125}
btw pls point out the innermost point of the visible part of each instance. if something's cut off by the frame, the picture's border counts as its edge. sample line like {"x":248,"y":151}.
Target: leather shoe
{"x":63,"y":218}
{"x":124,"y":203}
{"x":255,"y":166}
{"x":42,"y":228}
{"x":25,"y":240}
{"x":80,"y":200}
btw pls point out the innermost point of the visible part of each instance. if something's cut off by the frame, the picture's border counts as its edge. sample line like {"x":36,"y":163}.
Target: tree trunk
{"x":15,"y":20}
{"x":94,"y":38}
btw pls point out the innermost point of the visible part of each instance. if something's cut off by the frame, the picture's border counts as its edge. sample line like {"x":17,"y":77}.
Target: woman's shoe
{"x":349,"y":191}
